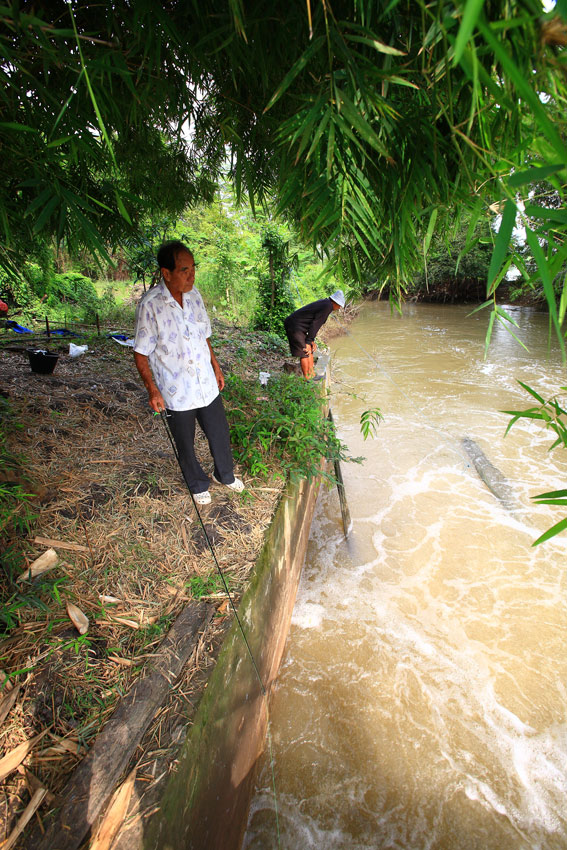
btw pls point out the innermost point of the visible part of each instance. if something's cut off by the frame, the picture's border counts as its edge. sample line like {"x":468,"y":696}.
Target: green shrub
{"x":281,"y":425}
{"x":275,"y":301}
{"x":75,"y":290}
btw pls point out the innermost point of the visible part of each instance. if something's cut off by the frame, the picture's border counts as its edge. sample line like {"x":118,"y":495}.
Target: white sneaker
{"x":203,"y":498}
{"x":237,"y":485}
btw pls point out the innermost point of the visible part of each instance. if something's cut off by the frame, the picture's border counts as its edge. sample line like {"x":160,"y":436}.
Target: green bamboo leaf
{"x":551,"y":532}
{"x":554,"y":494}
{"x":501,"y":274}
{"x":58,"y":142}
{"x":45,"y":214}
{"x":502,"y":242}
{"x":480,"y":307}
{"x":20,"y":128}
{"x":306,"y":129}
{"x":489,"y":333}
{"x":558,"y":502}
{"x":532,"y":392}
{"x":400,"y":81}
{"x":563,"y":302}
{"x":473,"y":8}
{"x":374,"y":43}
{"x":533,"y":175}
{"x":123,"y":211}
{"x":547,"y":281}
{"x":502,"y":312}
{"x":330,"y":150}
{"x":66,"y":104}
{"x":296,"y":69}
{"x":509,"y":330}
{"x":430,"y":230}
{"x":39,"y":201}
{"x":317,"y":137}
{"x":96,"y":108}
{"x":546,"y":213}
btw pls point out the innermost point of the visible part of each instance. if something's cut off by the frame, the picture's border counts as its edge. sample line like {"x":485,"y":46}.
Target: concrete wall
{"x":205,"y":805}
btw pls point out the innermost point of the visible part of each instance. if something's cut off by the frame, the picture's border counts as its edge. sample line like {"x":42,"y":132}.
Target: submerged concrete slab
{"x":206,"y":802}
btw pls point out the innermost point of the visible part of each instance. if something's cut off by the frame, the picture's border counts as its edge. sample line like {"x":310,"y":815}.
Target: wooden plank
{"x":92,"y":783}
{"x":28,"y":814}
{"x":60,"y":544}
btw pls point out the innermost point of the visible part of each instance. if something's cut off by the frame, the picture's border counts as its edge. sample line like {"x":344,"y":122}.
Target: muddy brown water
{"x":422,"y":700}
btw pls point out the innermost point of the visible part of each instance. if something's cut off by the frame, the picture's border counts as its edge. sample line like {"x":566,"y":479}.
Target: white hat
{"x":338,"y":297}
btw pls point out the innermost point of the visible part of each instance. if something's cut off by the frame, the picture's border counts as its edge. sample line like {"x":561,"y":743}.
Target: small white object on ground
{"x":77,"y":350}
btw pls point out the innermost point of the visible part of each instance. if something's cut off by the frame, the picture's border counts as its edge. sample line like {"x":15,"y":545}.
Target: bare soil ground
{"x":130,"y":554}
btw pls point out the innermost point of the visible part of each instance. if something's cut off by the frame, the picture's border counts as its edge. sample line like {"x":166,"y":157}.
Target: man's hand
{"x":219,"y":376}
{"x":157,"y":403}
{"x":155,"y":398}
{"x":216,"y":367}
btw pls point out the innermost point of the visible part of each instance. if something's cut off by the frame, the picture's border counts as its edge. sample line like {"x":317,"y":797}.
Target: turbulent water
{"x":422,"y":700}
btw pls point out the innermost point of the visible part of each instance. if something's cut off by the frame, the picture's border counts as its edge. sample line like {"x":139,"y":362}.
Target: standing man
{"x":302,"y":327}
{"x":179,"y":369}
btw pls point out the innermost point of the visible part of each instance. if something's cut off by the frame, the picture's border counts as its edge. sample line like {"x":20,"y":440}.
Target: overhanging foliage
{"x":370,"y":122}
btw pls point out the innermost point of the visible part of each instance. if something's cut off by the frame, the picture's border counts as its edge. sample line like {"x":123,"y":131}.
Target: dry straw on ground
{"x":129,"y":552}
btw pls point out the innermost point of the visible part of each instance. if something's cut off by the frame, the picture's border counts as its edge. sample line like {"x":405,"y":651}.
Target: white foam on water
{"x":308,"y":615}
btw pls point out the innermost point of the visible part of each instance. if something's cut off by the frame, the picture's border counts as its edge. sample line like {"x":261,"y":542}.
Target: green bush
{"x":275,"y":301}
{"x":76,"y":290}
{"x":282,"y":425}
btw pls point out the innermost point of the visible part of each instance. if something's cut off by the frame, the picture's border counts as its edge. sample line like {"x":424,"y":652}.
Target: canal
{"x":422,"y":699}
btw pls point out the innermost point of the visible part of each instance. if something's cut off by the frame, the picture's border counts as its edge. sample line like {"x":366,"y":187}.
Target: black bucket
{"x":42,"y":362}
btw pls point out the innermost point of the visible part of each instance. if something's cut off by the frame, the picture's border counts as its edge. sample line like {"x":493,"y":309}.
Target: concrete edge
{"x":206,"y":802}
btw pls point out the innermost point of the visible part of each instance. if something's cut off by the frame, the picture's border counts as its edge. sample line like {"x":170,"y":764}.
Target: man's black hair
{"x":167,"y":254}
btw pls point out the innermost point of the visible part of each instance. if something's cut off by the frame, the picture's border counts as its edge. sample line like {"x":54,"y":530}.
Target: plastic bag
{"x":77,"y":350}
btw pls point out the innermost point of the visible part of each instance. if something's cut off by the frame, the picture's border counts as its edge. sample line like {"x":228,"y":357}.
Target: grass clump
{"x":282,"y":425}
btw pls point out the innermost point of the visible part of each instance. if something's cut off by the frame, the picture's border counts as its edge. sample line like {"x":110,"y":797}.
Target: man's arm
{"x":216,"y":368}
{"x":154,"y":396}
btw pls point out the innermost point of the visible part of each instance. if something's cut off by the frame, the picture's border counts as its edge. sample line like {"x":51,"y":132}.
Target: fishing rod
{"x":345,"y":512}
{"x":163,"y":416}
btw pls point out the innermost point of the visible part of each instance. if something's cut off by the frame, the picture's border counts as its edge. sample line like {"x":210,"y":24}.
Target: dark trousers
{"x":212,"y":420}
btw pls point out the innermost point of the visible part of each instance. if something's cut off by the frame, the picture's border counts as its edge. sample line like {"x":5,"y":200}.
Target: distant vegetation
{"x":242,"y":262}
{"x":251,"y":270}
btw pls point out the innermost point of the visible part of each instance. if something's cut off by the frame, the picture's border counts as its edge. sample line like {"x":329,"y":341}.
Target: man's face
{"x":182,"y":278}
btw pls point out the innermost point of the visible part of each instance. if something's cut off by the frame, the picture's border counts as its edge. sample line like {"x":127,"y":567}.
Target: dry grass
{"x":107,"y":483}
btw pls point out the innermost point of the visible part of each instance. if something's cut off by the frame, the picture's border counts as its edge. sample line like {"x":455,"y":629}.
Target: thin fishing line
{"x":273,"y":772}
{"x":163,"y":416}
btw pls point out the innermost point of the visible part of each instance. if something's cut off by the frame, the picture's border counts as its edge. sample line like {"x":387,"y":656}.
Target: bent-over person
{"x":303,"y":325}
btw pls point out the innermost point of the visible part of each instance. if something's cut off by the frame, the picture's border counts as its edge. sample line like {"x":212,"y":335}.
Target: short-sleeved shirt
{"x":175,"y":341}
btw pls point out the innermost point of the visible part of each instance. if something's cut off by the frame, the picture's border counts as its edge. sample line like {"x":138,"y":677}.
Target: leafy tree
{"x":455,"y":267}
{"x":371,"y":122}
{"x":275,"y":300}
{"x":224,"y":241}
